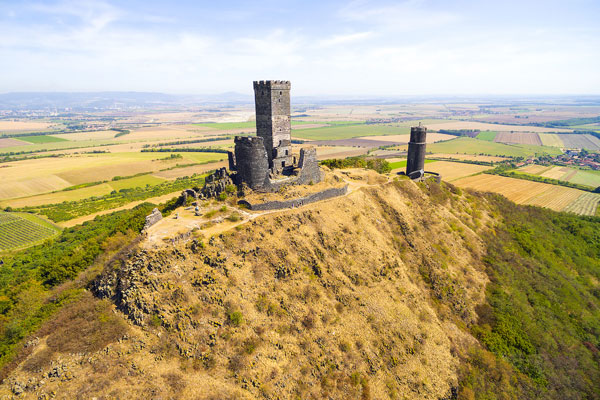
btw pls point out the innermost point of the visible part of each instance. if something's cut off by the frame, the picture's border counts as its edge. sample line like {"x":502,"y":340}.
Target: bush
{"x":235,"y":318}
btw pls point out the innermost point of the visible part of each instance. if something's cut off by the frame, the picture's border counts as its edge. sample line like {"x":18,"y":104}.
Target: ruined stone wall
{"x":252,"y":164}
{"x":153,"y":218}
{"x":273,"y":122}
{"x":415,"y":160}
{"x":309,"y":167}
{"x":281,"y":205}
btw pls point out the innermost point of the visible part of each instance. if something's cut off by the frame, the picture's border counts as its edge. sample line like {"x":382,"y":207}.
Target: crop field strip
{"x":17,"y":232}
{"x":586,"y":204}
{"x":580,"y":141}
{"x":574,"y":175}
{"x":551,"y":139}
{"x":465,"y":145}
{"x":518,"y":138}
{"x":451,"y":171}
{"x":487,"y":135}
{"x":521,"y":191}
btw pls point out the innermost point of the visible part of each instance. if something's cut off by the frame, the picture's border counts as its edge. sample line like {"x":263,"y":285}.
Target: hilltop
{"x":396,"y":290}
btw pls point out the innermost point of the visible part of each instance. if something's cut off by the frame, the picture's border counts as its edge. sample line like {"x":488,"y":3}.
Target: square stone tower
{"x":273,"y":122}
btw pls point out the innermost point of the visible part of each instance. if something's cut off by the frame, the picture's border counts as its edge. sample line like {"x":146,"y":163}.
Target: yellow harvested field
{"x":468,"y":157}
{"x":431,"y":137}
{"x":551,"y":139}
{"x":451,"y":171}
{"x":534,"y":169}
{"x":23,"y":126}
{"x":43,"y":175}
{"x":59,"y":197}
{"x":11,"y":188}
{"x":189,"y":171}
{"x":492,"y":127}
{"x":523,"y":192}
{"x":556,"y":172}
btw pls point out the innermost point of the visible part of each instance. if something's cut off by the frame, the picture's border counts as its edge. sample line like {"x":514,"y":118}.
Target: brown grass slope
{"x":364,"y":296}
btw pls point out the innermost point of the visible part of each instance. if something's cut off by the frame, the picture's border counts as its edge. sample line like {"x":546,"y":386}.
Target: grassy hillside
{"x":398,"y":290}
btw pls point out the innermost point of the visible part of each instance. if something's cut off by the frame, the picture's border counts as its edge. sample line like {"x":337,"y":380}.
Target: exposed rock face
{"x":153,"y":218}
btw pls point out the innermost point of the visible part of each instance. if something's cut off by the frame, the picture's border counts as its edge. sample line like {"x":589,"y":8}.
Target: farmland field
{"x":40,"y":139}
{"x":493,"y":127}
{"x":19,"y":230}
{"x":33,"y":177}
{"x":349,"y":131}
{"x":551,"y":139}
{"x":520,"y":191}
{"x":402,"y":164}
{"x":580,"y":176}
{"x":450,"y":171}
{"x":137,"y":181}
{"x":10,"y":142}
{"x":466,"y":145}
{"x":575,"y":141}
{"x":468,"y":157}
{"x":23,"y":126}
{"x":518,"y":138}
{"x":432,"y":137}
{"x":586,"y":204}
{"x":487,"y":135}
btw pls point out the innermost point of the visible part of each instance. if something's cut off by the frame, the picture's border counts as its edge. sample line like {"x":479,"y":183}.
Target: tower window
{"x":287,"y":152}
{"x":280,"y":93}
{"x":283,"y":163}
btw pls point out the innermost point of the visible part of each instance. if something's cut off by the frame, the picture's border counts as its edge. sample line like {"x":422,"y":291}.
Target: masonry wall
{"x":281,"y":205}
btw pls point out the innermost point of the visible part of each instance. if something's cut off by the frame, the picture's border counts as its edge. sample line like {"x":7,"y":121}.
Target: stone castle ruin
{"x":265,"y":162}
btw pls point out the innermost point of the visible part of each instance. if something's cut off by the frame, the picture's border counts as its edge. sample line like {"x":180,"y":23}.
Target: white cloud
{"x":344,"y":39}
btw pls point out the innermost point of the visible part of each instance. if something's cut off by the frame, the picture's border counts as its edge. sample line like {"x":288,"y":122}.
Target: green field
{"x":487,"y":135}
{"x":137,"y":181}
{"x":400,"y":164}
{"x":465,"y":145}
{"x":20,"y":230}
{"x":41,"y":139}
{"x":586,"y":177}
{"x":349,"y":131}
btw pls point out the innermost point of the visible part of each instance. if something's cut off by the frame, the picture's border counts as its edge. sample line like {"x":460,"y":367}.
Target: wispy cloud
{"x":344,"y":39}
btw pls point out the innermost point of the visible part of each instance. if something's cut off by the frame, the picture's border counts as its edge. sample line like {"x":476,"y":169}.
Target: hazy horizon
{"x":327,"y":49}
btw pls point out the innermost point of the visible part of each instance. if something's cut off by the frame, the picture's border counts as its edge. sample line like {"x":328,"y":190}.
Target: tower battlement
{"x":279,"y":85}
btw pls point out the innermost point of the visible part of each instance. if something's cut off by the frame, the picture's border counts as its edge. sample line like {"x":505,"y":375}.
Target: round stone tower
{"x":252,"y":163}
{"x":415,"y":161}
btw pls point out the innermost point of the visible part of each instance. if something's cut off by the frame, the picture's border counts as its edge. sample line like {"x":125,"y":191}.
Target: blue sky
{"x":350,"y":48}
